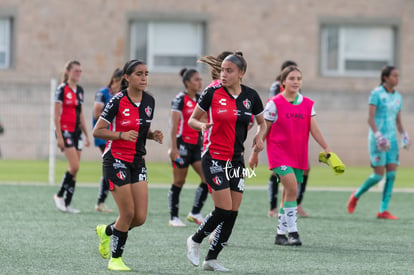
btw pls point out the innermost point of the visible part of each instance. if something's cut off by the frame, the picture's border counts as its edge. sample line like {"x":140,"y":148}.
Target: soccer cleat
{"x":293,"y":239}
{"x":352,"y":202}
{"x":386,"y":215}
{"x":213,"y":265}
{"x":101,"y":207}
{"x":72,"y":210}
{"x":117,"y":264}
{"x":302,"y":212}
{"x":193,"y":249}
{"x":60,"y":203}
{"x":104,"y":241}
{"x":281,"y":239}
{"x":176,"y":222}
{"x":197,"y":218}
{"x":272,"y":213}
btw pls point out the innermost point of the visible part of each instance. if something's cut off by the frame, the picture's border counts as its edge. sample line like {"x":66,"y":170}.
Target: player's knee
{"x":127,"y":215}
{"x":73,"y":169}
{"x":179,"y":183}
{"x":139,"y":220}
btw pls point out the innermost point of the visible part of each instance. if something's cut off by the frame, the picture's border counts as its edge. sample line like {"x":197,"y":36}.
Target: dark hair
{"x":187,"y":74}
{"x":285,"y":64}
{"x":286,"y":71}
{"x":117,"y":74}
{"x":385,"y":72}
{"x":215,"y":63}
{"x":128,"y":69}
{"x":67,"y":68}
{"x":238,"y":59}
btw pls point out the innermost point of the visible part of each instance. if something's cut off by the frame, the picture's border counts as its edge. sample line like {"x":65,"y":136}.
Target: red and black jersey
{"x":71,"y":106}
{"x":230,"y":117}
{"x":125,"y":115}
{"x":185,"y":106}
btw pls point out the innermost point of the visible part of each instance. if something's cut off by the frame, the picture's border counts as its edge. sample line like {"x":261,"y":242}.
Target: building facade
{"x":339,"y":45}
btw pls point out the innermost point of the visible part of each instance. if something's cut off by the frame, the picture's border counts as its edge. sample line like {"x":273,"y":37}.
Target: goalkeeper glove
{"x":333,"y":161}
{"x":405,"y":141}
{"x":382,"y":143}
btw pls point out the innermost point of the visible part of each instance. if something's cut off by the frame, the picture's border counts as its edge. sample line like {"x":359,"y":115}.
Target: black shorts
{"x":221,"y":174}
{"x":189,"y":153}
{"x":118,"y":172}
{"x":73,"y":139}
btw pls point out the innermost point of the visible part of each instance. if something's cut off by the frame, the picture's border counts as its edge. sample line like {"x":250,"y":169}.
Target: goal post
{"x":52,"y":138}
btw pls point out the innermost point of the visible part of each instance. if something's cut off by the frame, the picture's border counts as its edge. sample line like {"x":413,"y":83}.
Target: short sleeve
{"x":178,"y":103}
{"x":257,"y":108}
{"x":100,"y":97}
{"x":110,"y":110}
{"x":374,"y":98}
{"x":60,"y":91}
{"x":270,"y":111}
{"x":204,"y":102}
{"x":313,"y":112}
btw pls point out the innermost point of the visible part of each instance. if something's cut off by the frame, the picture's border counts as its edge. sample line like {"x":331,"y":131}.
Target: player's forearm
{"x":372,"y":125}
{"x":83,"y":125}
{"x":195,"y":124}
{"x":104,"y":133}
{"x":317,"y":135}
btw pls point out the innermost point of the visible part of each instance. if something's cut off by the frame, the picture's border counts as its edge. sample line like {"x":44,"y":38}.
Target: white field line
{"x":193,"y":186}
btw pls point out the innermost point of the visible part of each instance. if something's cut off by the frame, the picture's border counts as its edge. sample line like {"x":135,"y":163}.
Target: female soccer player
{"x":102,"y":97}
{"x":69,"y":124}
{"x":129,"y":115}
{"x":273,"y":184}
{"x":273,"y":188}
{"x":229,"y":107}
{"x":290,"y":117}
{"x":384,"y":118}
{"x":186,"y":148}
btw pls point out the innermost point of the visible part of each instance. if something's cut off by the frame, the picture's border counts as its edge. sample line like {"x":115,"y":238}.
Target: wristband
{"x":120,"y":133}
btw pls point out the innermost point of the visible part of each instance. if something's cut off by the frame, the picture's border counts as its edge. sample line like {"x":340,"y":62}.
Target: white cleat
{"x":176,"y":222}
{"x":197,"y":218}
{"x":193,"y":249}
{"x":72,"y":210}
{"x":213,"y":265}
{"x":103,"y":208}
{"x":60,"y":203}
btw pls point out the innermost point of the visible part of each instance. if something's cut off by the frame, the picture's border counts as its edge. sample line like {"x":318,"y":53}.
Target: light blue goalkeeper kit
{"x":388,"y":106}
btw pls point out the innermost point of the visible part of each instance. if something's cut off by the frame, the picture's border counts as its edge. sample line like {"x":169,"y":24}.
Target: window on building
{"x":356,"y":50}
{"x":167,"y":46}
{"x":5,"y":42}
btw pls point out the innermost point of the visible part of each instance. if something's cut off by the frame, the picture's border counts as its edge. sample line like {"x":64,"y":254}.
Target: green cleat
{"x":117,"y":264}
{"x":104,"y":241}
